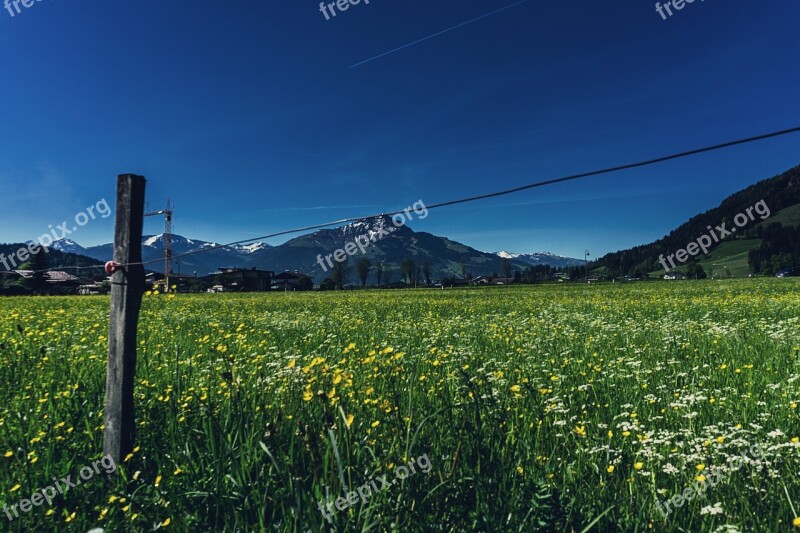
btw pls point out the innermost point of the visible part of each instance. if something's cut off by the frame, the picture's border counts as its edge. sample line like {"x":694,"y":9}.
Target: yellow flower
{"x":610,"y":469}
{"x":701,"y":477}
{"x":520,"y":470}
{"x":165,"y":523}
{"x":178,"y":471}
{"x":292,"y":363}
{"x":8,"y":454}
{"x":70,"y":518}
{"x":158,"y":480}
{"x":610,"y":433}
{"x":626,"y":433}
{"x":796,"y":522}
{"x":638,"y":466}
{"x":700,"y":467}
{"x":795,"y":440}
{"x":349,"y":420}
{"x":307,"y":394}
{"x":15,"y":488}
{"x":794,"y":405}
{"x":580,"y":431}
{"x":720,"y":440}
{"x":515,"y":388}
{"x":376,"y":423}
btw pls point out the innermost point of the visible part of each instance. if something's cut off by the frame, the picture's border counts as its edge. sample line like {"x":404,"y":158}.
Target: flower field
{"x":554,"y":408}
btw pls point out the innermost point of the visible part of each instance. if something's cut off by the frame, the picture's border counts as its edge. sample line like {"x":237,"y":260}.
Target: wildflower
{"x":610,"y":469}
{"x":638,"y":466}
{"x":796,"y":522}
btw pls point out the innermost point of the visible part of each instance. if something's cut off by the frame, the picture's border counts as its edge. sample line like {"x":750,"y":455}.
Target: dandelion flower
{"x":638,"y":466}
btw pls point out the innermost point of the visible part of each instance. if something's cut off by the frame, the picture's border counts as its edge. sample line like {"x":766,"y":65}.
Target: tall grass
{"x":540,"y":408}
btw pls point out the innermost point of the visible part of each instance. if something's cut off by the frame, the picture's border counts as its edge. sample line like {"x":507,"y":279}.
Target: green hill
{"x":767,"y":249}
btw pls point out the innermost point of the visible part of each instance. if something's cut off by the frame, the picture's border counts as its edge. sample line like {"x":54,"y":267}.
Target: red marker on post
{"x":111,"y":267}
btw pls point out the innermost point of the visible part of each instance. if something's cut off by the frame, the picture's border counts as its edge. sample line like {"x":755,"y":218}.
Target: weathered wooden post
{"x":127,"y":288}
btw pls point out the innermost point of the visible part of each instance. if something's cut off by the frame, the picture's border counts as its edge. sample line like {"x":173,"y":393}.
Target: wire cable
{"x":583,"y":175}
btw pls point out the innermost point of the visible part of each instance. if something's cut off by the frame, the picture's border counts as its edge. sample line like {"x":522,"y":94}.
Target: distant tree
{"x":517,"y":276}
{"x":407,"y":269}
{"x":362,"y":269}
{"x":37,"y":283}
{"x":426,"y":271}
{"x":388,"y":270}
{"x":339,"y":273}
{"x":695,"y":271}
{"x":506,"y":268}
{"x":305,"y":283}
{"x":379,"y":273}
{"x":327,"y":284}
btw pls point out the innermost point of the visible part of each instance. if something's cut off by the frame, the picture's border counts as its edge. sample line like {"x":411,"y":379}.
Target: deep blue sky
{"x":248,"y":116}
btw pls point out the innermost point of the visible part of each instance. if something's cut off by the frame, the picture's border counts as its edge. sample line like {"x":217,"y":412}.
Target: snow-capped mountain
{"x":541,"y":258}
{"x":390,"y":246}
{"x":68,"y":246}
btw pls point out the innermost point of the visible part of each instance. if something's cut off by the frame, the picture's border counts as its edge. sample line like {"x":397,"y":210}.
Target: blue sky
{"x":248,"y":115}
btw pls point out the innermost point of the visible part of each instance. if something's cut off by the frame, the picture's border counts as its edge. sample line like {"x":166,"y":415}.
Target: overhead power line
{"x":583,"y":175}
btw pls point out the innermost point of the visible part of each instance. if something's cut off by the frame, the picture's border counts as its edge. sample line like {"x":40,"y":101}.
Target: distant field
{"x":538,"y":408}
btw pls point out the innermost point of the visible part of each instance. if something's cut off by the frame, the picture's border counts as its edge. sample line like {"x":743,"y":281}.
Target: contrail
{"x":439,"y":33}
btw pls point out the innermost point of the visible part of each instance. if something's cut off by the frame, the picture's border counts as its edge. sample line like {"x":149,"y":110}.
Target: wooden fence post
{"x":127,"y":288}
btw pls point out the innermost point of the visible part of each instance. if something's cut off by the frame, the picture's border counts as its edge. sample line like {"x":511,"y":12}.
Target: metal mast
{"x":167,"y":240}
